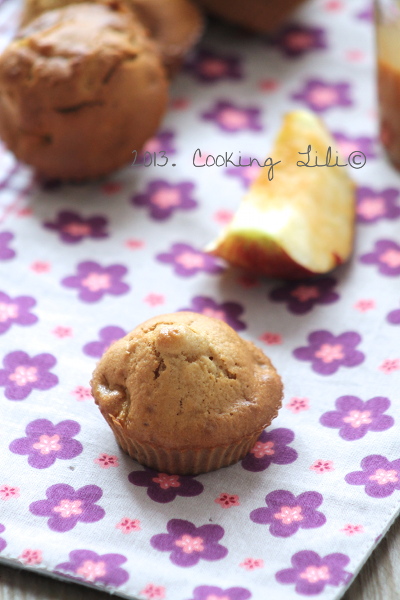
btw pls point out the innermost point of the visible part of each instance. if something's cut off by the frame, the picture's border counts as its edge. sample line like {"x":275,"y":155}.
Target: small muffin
{"x":185,"y":394}
{"x":175,"y":25}
{"x":263,"y":16}
{"x":80,"y":88}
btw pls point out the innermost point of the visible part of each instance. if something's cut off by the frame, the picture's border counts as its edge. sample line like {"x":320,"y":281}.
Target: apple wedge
{"x":301,"y":223}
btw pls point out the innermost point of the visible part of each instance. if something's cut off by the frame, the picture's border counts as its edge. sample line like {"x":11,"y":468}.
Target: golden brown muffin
{"x":175,"y":25}
{"x":80,"y":89}
{"x":185,"y":394}
{"x":263,"y":16}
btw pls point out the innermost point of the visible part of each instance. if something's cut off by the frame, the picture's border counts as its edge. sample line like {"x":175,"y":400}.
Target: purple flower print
{"x":386,"y":256}
{"x":188,"y":543}
{"x":108,"y":335}
{"x":319,"y":95}
{"x":247,"y":174}
{"x":94,"y":281}
{"x":270,"y":448}
{"x":164,"y":488}
{"x":394,"y":317}
{"x":5,"y":252}
{"x":22,"y":374}
{"x":227,"y":311}
{"x":380,"y":476}
{"x":311,"y":572}
{"x":73,"y":228}
{"x":286,"y":513}
{"x":16,"y":311}
{"x":296,"y":40}
{"x":354,"y":418}
{"x":163,"y":198}
{"x":373,"y":206}
{"x":162,"y":142}
{"x":209,"y":66}
{"x":212,"y":592}
{"x":3,"y":542}
{"x":367,"y":14}
{"x":66,"y":507}
{"x":188,"y":261}
{"x":328,"y":352}
{"x":232,"y":118}
{"x":346,"y":145}
{"x":302,"y":296}
{"x":95,"y":568}
{"x":46,"y":442}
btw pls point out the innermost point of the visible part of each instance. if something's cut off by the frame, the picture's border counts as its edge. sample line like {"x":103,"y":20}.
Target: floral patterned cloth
{"x":82,"y":265}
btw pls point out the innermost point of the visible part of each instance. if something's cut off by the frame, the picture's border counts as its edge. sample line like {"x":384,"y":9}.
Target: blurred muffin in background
{"x":81,"y":87}
{"x":175,"y":25}
{"x":263,"y":16}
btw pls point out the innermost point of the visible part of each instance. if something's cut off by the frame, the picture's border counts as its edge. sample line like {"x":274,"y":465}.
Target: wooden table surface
{"x":378,"y":580}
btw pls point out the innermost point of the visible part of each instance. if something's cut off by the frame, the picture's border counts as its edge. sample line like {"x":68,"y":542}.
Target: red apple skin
{"x":266,"y":258}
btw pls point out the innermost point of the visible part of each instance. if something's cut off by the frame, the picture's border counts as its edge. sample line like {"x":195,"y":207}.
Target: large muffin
{"x":175,"y":25}
{"x":81,"y":88}
{"x":185,"y":394}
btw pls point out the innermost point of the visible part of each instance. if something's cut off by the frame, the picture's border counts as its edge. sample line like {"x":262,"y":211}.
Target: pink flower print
{"x":179,"y":103}
{"x":365,"y":305}
{"x":94,"y":281}
{"x":301,"y":297}
{"x":250,"y":564}
{"x":373,"y":205}
{"x":127,"y":525}
{"x":227,"y":500}
{"x":190,"y":544}
{"x":287,"y":514}
{"x":47,"y":444}
{"x":40,"y":266}
{"x":209,"y":67}
{"x":166,"y":481}
{"x":233,"y":119}
{"x":162,"y":142}
{"x":188,"y":261}
{"x":354,"y":418}
{"x":62,"y":332}
{"x":320,"y":96}
{"x":311,"y":573}
{"x":271,"y":339}
{"x":346,"y":145}
{"x":108,"y":335}
{"x":24,"y":375}
{"x":91,"y":570}
{"x":305,"y":292}
{"x":260,"y":449}
{"x":15,"y":311}
{"x":296,"y":40}
{"x":90,"y":566}
{"x":333,"y":5}
{"x":68,"y":508}
{"x":8,"y":311}
{"x":154,"y":299}
{"x":211,"y":592}
{"x":383,"y":477}
{"x":350,"y":530}
{"x":322,"y":466}
{"x":106,"y":461}
{"x":268,"y":85}
{"x":7,"y":492}
{"x":31,"y":557}
{"x":297,"y":405}
{"x":327,"y":352}
{"x":246,"y":173}
{"x":223,"y":217}
{"x":386,"y":256}
{"x":390,"y":365}
{"x":153,"y":592}
{"x":82,"y":393}
{"x":134,"y":244}
{"x":314,"y":574}
{"x":111,"y":187}
{"x":163,"y":198}
{"x":73,"y":228}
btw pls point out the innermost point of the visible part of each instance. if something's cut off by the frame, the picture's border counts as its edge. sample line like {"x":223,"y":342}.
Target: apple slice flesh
{"x":302,"y":222}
